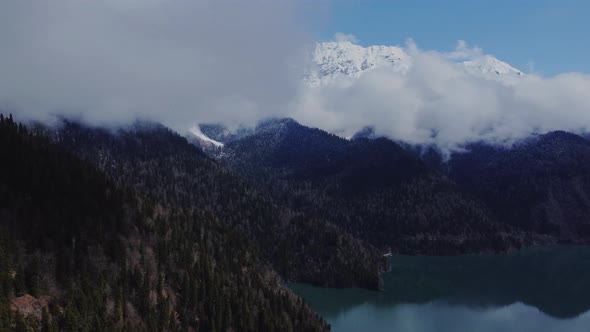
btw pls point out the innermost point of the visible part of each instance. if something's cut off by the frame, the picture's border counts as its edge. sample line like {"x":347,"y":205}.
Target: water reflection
{"x":537,"y":289}
{"x":441,"y":318}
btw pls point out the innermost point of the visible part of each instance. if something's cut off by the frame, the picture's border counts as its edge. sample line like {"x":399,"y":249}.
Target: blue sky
{"x":554,"y":36}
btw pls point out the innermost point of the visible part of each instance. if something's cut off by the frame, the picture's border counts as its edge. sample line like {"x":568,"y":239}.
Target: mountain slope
{"x":222,"y":134}
{"x":370,"y":188}
{"x":163,"y":165}
{"x":540,"y":185}
{"x":79,"y":253}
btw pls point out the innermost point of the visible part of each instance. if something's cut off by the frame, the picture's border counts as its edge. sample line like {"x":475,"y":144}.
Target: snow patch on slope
{"x":196,"y":131}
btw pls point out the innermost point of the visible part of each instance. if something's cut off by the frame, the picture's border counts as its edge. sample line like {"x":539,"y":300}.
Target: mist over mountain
{"x":435,"y":98}
{"x":171,"y":62}
{"x":429,"y":98}
{"x":344,"y":58}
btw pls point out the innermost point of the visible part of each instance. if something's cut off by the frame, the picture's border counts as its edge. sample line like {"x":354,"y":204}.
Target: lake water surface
{"x":537,"y":289}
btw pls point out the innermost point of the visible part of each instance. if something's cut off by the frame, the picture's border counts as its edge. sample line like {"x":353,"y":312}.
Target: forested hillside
{"x":371,"y":188}
{"x":541,"y":185}
{"x":163,"y":165}
{"x":83,"y":251}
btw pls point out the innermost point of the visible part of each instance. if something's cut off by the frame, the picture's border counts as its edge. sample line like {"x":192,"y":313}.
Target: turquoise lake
{"x":536,"y":289}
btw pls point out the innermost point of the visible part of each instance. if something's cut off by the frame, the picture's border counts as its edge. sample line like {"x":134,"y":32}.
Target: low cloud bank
{"x":237,"y":62}
{"x":439,"y":102}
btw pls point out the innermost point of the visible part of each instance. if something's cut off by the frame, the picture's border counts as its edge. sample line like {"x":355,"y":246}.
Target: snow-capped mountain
{"x":489,"y":67}
{"x":331,"y":60}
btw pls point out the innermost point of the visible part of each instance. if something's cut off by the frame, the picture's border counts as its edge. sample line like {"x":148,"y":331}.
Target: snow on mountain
{"x":490,"y":67}
{"x":222,"y":134}
{"x":331,"y":60}
{"x":204,"y":140}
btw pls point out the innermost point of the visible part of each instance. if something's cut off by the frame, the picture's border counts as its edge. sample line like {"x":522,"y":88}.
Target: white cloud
{"x":438,"y":102}
{"x":342,"y":37}
{"x":171,"y":61}
{"x":463,"y":51}
{"x":187,"y":61}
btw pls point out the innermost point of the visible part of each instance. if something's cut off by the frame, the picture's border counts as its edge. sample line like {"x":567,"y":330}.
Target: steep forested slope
{"x":155,"y":161}
{"x":79,"y":253}
{"x":540,"y":185}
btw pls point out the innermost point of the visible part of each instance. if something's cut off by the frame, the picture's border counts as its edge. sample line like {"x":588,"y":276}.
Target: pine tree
{"x":21,"y":324}
{"x":47,"y":322}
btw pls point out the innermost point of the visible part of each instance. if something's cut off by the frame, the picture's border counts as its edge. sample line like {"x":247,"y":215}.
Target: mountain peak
{"x":276,"y":125}
{"x":334,"y":59}
{"x":487,"y":64}
{"x":344,"y":58}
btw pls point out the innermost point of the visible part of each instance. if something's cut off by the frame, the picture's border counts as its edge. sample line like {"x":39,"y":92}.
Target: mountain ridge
{"x":372,"y":188}
{"x":337,"y":59}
